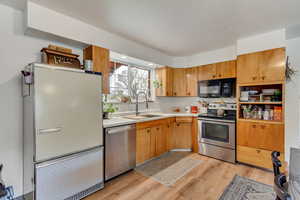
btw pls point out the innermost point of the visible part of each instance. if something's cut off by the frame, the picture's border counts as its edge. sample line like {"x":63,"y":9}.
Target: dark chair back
{"x":276,"y":162}
{"x":2,"y":186}
{"x":280,"y":182}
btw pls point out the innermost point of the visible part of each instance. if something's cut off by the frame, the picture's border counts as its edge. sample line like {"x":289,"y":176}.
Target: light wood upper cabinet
{"x":219,"y":70}
{"x":247,"y":68}
{"x":191,"y":81}
{"x":179,"y":82}
{"x":100,"y":58}
{"x":165,"y":76}
{"x":272,"y":65}
{"x":185,"y":81}
{"x":207,"y":72}
{"x":226,"y":69}
{"x":264,"y":66}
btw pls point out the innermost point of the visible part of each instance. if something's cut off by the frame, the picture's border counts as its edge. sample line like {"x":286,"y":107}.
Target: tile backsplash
{"x":166,"y":104}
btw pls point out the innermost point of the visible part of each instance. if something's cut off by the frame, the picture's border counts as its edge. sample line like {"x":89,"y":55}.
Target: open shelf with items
{"x":261,"y":112}
{"x":261,"y":103}
{"x":268,"y":94}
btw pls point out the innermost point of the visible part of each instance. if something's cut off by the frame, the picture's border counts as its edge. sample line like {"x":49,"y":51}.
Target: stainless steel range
{"x":217,"y":132}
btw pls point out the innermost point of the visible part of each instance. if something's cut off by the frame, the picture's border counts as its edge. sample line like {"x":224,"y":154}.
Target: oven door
{"x":217,"y":132}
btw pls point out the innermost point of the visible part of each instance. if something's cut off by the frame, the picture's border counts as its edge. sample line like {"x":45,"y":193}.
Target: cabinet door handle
{"x":219,"y":75}
{"x":157,"y":129}
{"x":214,"y":76}
{"x":254,"y":78}
{"x":263,"y":77}
{"x":254,"y":126}
{"x":263,"y":126}
{"x":258,"y":151}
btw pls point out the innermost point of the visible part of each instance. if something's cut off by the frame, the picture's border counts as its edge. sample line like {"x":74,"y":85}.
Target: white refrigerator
{"x":63,"y":133}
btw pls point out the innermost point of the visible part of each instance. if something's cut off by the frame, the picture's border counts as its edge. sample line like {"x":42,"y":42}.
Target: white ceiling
{"x":182,"y":27}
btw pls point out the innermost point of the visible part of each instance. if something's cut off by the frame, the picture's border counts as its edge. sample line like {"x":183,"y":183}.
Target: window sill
{"x":116,"y":102}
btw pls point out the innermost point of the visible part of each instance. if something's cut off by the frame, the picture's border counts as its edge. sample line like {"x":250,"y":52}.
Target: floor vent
{"x":86,"y":192}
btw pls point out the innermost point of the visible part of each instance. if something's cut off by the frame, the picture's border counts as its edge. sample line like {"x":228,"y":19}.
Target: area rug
{"x":169,"y":168}
{"x":242,"y":188}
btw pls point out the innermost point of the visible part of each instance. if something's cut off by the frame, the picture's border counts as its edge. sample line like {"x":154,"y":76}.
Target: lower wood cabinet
{"x":143,"y":145}
{"x":182,"y":133}
{"x":256,"y":157}
{"x":160,"y":140}
{"x":155,"y":138}
{"x":261,"y":135}
{"x":150,"y":142}
{"x":257,"y":140}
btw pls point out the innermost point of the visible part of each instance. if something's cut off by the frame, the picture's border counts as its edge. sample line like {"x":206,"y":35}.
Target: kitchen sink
{"x":142,"y":116}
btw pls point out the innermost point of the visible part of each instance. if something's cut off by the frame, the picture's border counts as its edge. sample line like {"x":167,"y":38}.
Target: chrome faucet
{"x":137,"y":102}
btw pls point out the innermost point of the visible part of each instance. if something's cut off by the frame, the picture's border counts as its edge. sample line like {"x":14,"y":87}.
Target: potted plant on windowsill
{"x":157,"y":84}
{"x":108,"y":110}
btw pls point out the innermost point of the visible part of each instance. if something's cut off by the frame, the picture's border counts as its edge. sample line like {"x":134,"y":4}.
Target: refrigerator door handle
{"x":50,"y":130}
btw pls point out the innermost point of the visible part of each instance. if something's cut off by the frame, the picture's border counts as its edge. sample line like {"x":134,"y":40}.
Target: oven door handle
{"x":220,"y":122}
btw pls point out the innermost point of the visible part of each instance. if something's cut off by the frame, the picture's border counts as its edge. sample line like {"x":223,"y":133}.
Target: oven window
{"x":216,"y":132}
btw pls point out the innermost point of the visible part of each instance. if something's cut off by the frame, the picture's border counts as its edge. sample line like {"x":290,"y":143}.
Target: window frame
{"x":151,"y":75}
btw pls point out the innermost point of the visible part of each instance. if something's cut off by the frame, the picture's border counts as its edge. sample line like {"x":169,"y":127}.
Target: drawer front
{"x":184,"y":119}
{"x":62,"y":178}
{"x":256,"y":157}
{"x":149,"y":124}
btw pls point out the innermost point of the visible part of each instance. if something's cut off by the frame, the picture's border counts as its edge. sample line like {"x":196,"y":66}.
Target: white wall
{"x":292,"y":112}
{"x":260,"y":42}
{"x":16,"y":50}
{"x":43,"y":19}
{"x":218,"y":55}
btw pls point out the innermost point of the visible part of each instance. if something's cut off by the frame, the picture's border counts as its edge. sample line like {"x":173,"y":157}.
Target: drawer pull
{"x":253,"y":126}
{"x":258,"y":151}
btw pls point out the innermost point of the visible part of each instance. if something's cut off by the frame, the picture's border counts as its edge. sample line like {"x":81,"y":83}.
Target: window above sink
{"x":127,"y":80}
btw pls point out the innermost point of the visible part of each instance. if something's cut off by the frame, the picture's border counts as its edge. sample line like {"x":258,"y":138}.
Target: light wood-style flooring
{"x":205,"y":182}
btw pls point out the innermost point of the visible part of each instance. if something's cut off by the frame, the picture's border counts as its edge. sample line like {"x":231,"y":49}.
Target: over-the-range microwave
{"x":217,"y":88}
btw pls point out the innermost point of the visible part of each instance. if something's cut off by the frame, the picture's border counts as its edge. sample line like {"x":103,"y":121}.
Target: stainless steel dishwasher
{"x":120,"y":146}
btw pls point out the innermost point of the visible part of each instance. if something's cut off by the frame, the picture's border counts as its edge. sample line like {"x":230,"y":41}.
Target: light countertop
{"x":118,"y":121}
